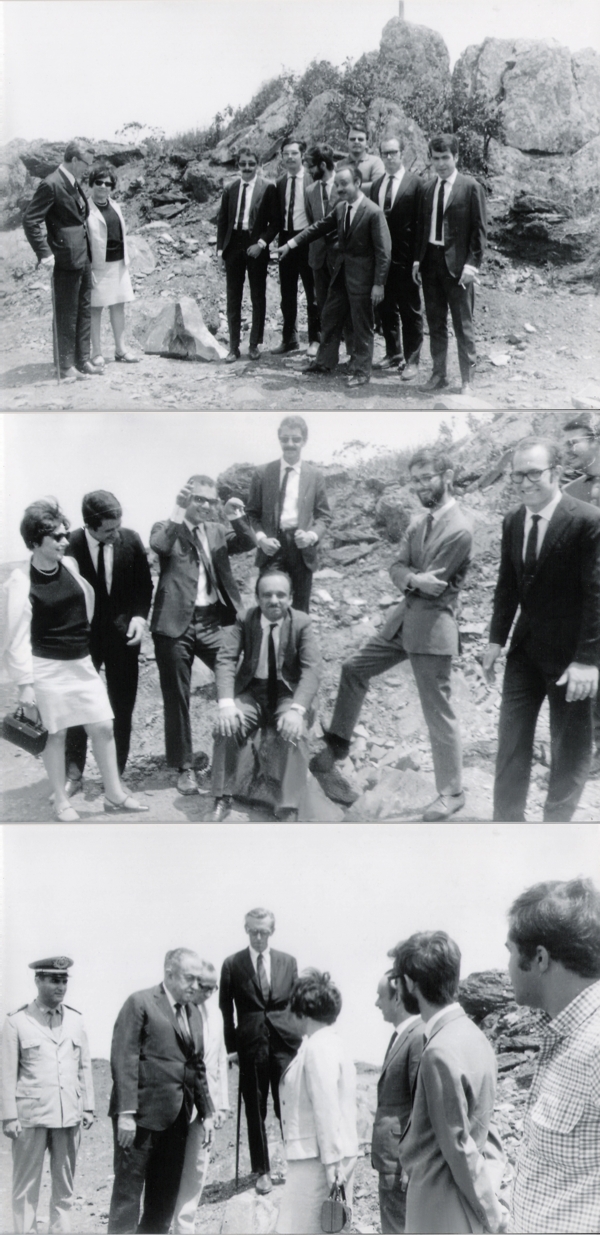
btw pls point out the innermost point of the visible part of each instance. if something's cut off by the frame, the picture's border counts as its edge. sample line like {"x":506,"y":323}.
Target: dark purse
{"x":335,"y":1213}
{"x":28,"y":734}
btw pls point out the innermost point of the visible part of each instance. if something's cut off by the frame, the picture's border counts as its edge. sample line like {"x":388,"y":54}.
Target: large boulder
{"x":414,"y":63}
{"x":482,"y":993}
{"x":141,"y":256}
{"x":180,"y":331}
{"x":395,"y":510}
{"x":199,"y":182}
{"x":236,"y":481}
{"x":41,"y":158}
{"x":264,"y":134}
{"x":323,"y":120}
{"x":386,"y":118}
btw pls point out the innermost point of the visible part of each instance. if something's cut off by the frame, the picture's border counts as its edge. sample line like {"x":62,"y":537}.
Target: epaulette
{"x":21,"y":1009}
{"x":71,"y":1009}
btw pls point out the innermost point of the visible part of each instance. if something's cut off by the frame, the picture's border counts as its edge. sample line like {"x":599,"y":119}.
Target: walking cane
{"x":204,"y":1173}
{"x":54,"y":327}
{"x":237,"y":1134}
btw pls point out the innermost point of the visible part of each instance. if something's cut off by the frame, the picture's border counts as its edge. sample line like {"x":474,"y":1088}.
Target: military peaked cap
{"x":52,"y":964}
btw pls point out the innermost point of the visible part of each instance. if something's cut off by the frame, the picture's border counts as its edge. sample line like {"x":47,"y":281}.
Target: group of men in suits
{"x":363,"y":235}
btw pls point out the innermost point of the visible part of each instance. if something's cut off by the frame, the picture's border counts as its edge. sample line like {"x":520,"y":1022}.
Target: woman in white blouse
{"x":318,"y":1108}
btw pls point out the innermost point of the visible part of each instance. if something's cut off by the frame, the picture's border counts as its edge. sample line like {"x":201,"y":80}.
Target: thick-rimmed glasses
{"x":532,"y":476}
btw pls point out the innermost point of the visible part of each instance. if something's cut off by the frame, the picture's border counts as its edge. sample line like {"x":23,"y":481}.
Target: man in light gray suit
{"x":450,"y":1152}
{"x":394,"y":1089}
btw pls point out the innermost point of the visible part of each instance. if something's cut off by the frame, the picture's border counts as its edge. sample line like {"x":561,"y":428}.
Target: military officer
{"x":47,"y":1092}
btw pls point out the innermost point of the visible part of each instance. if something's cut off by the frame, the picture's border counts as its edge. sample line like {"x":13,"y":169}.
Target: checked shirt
{"x":557,"y":1181}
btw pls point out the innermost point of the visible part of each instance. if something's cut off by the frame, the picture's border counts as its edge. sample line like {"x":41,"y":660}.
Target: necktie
{"x":439,"y":218}
{"x":290,"y":214}
{"x":185,"y":1033}
{"x":283,"y":489}
{"x":347,"y":222}
{"x":428,"y":527}
{"x":530,"y":562}
{"x":80,"y":196}
{"x":324,"y":198}
{"x":261,"y":969}
{"x":101,"y":588}
{"x":240,"y":222}
{"x":210,"y":581}
{"x":390,"y":1044}
{"x":272,"y":671}
{"x":387,"y":204}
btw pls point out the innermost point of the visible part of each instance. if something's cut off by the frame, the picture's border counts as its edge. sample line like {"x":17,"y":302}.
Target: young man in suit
{"x":451,"y":240}
{"x":113,"y":560}
{"x":255,"y":989}
{"x":320,"y":200}
{"x":430,"y":570}
{"x":289,"y":511}
{"x":582,"y":457}
{"x":394,"y":1100}
{"x":159,"y":1076}
{"x":268,"y":671}
{"x":399,"y":195}
{"x":357,"y":285}
{"x":196,"y":596}
{"x":449,"y":1150}
{"x":243,"y":246}
{"x":370,"y":166}
{"x":64,"y":247}
{"x":289,"y":218}
{"x":550,"y":570}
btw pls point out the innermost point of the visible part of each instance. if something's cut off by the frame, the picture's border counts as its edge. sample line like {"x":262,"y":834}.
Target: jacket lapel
{"x":195,"y":1023}
{"x":558,"y":524}
{"x":234,"y":199}
{"x":517,"y":541}
{"x":356,"y":215}
{"x":303,"y":487}
{"x":285,"y":634}
{"x":454,"y":1015}
{"x":250,"y":970}
{"x":256,"y":634}
{"x":453,"y":191}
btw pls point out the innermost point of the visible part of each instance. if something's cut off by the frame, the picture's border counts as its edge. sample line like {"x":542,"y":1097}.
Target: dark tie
{"x":261,"y":968}
{"x":210,"y":579}
{"x":387,"y":204}
{"x":347,"y":222}
{"x":80,"y":196}
{"x":428,"y":527}
{"x":390,"y":1044}
{"x":240,"y":223}
{"x":531,"y":547}
{"x":101,"y":588}
{"x":283,"y":489}
{"x":290,"y":214}
{"x":183,"y":1029}
{"x":272,"y":671}
{"x":325,"y":198}
{"x":439,"y":218}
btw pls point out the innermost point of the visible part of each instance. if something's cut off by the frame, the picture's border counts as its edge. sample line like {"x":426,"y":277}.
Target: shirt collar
{"x":437,"y":1016}
{"x":192,"y":526}
{"x":67,"y":173}
{"x":46,"y":1011}
{"x":358,"y":199}
{"x":170,"y":998}
{"x":401,"y":1029}
{"x":266,"y":625}
{"x":450,"y":179}
{"x":294,"y":466}
{"x":253,"y":954}
{"x":441,"y":510}
{"x":95,"y":544}
{"x":547,"y":511}
{"x":576,"y":1012}
{"x":250,"y":183}
{"x":397,"y":175}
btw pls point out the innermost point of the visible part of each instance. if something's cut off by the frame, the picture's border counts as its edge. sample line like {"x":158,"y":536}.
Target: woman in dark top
{"x":47,"y":652}
{"x":111,"y":284}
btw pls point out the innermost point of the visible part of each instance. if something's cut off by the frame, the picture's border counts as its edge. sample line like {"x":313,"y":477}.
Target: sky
{"x":144,"y":457}
{"x":116,"y":897}
{"x":174,"y":63}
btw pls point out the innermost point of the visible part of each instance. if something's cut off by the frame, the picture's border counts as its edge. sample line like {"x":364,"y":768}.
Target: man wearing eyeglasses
{"x":196,"y":596}
{"x":399,"y":194}
{"x":242,"y":243}
{"x":430,"y":570}
{"x":550,"y":571}
{"x":289,"y":511}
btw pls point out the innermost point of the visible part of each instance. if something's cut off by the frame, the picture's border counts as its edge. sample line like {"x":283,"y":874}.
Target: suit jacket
{"x":262,"y":199}
{"x":46,"y":1074}
{"x":57,"y":204}
{"x":258,"y":1023}
{"x":318,"y":1100}
{"x":465,"y":224}
{"x":364,"y":257}
{"x":403,"y":219}
{"x":154,"y":1070}
{"x":394,"y":1096}
{"x":451,"y":1186}
{"x":298,"y":658}
{"x":317,"y":252}
{"x":559,"y":619}
{"x":313,"y":507}
{"x":98,"y":233}
{"x":131,"y":588}
{"x":179,"y":557}
{"x":429,"y":623}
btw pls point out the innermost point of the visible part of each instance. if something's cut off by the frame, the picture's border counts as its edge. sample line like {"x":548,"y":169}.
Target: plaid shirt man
{"x":557,"y":1182}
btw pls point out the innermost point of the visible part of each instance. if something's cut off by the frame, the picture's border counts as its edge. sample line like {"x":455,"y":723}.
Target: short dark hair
{"x":292,"y":140}
{"x":438,"y":460}
{"x":98,"y":506}
{"x":553,"y":448}
{"x":563,"y":917}
{"x":322,"y":154}
{"x":248,"y":151}
{"x":76,"y":150}
{"x":345,"y":166}
{"x":390,"y":137}
{"x":441,"y":142}
{"x":102,"y":173}
{"x":315,"y":995}
{"x":294,"y":422}
{"x":202,"y":480}
{"x":583,"y":423}
{"x":432,"y":960}
{"x":41,"y":518}
{"x":358,"y":126}
{"x":271,"y":570}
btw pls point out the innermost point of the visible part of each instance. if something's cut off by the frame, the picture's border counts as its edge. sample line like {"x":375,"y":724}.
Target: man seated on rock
{"x":430,"y":570}
{"x":268,"y":670}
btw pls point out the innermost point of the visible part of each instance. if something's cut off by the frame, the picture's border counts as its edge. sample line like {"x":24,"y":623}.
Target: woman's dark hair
{"x":39,"y":519}
{"x":432,"y":959}
{"x":564,"y":918}
{"x":102,"y":173}
{"x":315,"y":995}
{"x":98,"y":506}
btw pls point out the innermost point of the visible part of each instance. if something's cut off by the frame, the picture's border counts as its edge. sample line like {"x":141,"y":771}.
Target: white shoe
{"x":312,"y":349}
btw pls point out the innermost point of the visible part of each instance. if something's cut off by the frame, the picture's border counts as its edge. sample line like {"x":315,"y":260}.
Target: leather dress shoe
{"x":187,"y":783}
{"x":357,"y":379}
{"x":222,"y":808}
{"x":444,"y":807}
{"x":232,"y":356}
{"x":409,"y":373}
{"x":388,"y":362}
{"x":313,"y":368}
{"x":264,"y":1184}
{"x":91,"y":369}
{"x":282,"y":349}
{"x":76,"y":375}
{"x":254,"y":353}
{"x":435,"y":382}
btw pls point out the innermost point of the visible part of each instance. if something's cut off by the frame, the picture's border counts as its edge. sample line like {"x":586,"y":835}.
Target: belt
{"x":202,"y":609}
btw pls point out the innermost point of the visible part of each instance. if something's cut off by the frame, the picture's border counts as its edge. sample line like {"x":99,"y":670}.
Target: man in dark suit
{"x":289,"y":511}
{"x":113,"y":560}
{"x":268,"y":669}
{"x":394,"y":1091}
{"x":64,"y":247}
{"x":361,"y":267}
{"x":288,"y":219}
{"x":430,"y":570}
{"x":257,"y":983}
{"x":196,"y":596}
{"x":399,"y":195}
{"x":550,"y":569}
{"x":157,"y":1065}
{"x":451,"y":240}
{"x":321,"y":197}
{"x":242,"y":244}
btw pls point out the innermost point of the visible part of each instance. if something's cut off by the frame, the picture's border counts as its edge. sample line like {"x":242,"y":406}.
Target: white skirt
{"x":305,"y":1190}
{"x":111,"y":285}
{"x":69,"y":692}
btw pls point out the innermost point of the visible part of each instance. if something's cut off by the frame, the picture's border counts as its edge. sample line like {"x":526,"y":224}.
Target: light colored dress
{"x":111,"y":283}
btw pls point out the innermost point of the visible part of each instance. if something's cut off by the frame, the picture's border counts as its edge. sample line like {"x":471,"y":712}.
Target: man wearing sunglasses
{"x":242,"y":243}
{"x":196,"y":596}
{"x":550,"y":571}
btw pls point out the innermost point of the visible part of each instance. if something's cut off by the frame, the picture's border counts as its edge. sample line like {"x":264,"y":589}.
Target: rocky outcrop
{"x":324,"y":120}
{"x":413,"y":60}
{"x":264,"y":134}
{"x":513,"y":1032}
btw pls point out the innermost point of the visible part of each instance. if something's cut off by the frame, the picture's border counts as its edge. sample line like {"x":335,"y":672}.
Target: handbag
{"x":335,"y":1213}
{"x":21,"y":731}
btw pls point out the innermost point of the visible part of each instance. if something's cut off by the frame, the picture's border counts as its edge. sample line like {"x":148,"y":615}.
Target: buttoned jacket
{"x":363,"y":256}
{"x":258,"y":1023}
{"x":394,"y":1096}
{"x":46,"y":1073}
{"x":263,"y":202}
{"x":179,"y":557}
{"x":317,"y":252}
{"x":402,"y":219}
{"x":465,"y":224}
{"x":429,"y":623}
{"x":57,"y":204}
{"x":263,"y":507}
{"x":298,"y":657}
{"x":318,"y":1100}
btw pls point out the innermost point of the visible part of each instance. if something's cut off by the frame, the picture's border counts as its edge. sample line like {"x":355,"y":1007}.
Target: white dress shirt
{"x":67,"y":173}
{"x":396,"y":182}
{"x":246,"y":219}
{"x":262,"y":668}
{"x":299,"y":217}
{"x":206,"y":594}
{"x":266,"y":955}
{"x":182,"y":1011}
{"x":109,"y":557}
{"x":289,"y":510}
{"x":446,"y":187}
{"x":433,"y":1020}
{"x":350,"y":206}
{"x":441,"y":510}
{"x":545,"y":516}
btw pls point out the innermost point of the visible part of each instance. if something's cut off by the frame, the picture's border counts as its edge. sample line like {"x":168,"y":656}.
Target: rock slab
{"x":180,"y":331}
